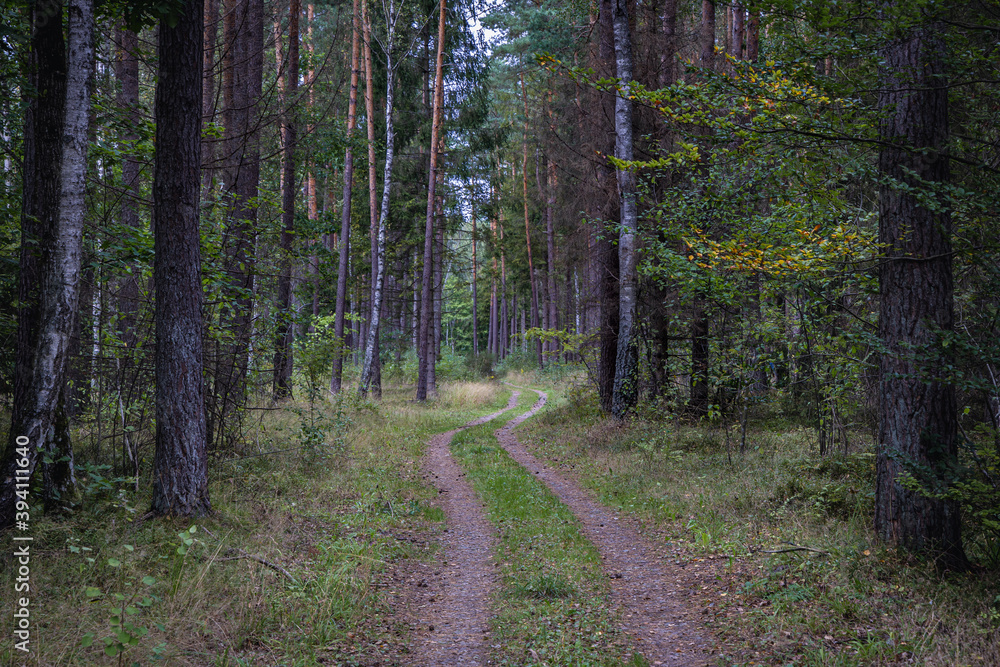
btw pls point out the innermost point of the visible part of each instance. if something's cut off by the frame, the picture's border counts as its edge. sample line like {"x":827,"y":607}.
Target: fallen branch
{"x":255,"y":557}
{"x":794,"y":548}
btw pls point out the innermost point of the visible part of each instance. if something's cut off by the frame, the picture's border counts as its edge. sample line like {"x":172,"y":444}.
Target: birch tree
{"x":394,"y":11}
{"x":627,"y":358}
{"x":52,"y":213}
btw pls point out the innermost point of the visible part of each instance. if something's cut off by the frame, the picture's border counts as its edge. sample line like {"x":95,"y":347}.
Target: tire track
{"x":454,"y":616}
{"x":644,"y":587}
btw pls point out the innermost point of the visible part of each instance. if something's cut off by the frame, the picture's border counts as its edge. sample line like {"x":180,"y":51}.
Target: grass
{"x":848,"y":601}
{"x":552,"y":605}
{"x":326,"y":516}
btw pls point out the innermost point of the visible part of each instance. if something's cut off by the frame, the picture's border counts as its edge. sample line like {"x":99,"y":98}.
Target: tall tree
{"x":427,"y":281}
{"x":345,"y":215}
{"x":373,"y":211}
{"x":527,"y":222}
{"x":626,"y":388}
{"x":918,"y":416}
{"x":242,"y":74}
{"x":285,"y":331}
{"x":53,"y":210}
{"x":180,"y":480}
{"x":606,"y":264}
{"x":369,"y":369}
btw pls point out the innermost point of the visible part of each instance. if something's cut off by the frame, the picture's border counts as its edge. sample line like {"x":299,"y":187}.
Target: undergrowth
{"x":817,"y":587}
{"x":283,"y":572}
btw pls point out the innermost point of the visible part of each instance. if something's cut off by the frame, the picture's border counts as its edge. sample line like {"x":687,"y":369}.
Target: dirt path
{"x":650,"y":591}
{"x":451,"y":598}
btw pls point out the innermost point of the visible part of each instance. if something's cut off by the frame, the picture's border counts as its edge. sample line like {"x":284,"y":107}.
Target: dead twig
{"x":254,"y":557}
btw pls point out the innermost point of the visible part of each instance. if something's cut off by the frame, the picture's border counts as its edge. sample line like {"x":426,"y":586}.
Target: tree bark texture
{"x":285,"y":331}
{"x":607,"y":255}
{"x":627,"y":356}
{"x":918,"y":411}
{"x":369,"y":370}
{"x":62,"y":71}
{"x":345,"y":214}
{"x":527,"y":223}
{"x":427,"y":286}
{"x":243,"y":68}
{"x":180,"y":482}
{"x":373,"y":210}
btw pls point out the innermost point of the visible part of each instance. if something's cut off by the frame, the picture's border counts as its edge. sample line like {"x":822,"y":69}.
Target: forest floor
{"x":492,"y":528}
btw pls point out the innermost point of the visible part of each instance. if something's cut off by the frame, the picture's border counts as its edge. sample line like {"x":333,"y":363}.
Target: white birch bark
{"x":627,"y":357}
{"x":390,"y":135}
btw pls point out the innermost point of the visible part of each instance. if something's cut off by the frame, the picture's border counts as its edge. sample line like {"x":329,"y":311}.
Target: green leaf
{"x":112,"y":649}
{"x":114,"y":562}
{"x":148,"y":580}
{"x":93,"y":592}
{"x":87,"y":640}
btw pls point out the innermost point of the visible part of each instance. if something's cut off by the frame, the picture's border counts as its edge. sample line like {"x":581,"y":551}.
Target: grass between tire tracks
{"x":551,"y":607}
{"x":325,"y":520}
{"x":849,"y":602}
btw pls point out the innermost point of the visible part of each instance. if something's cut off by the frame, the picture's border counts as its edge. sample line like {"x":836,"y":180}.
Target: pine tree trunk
{"x":707,"y":34}
{"x":918,"y":409}
{"x":627,"y":357}
{"x":527,"y":223}
{"x":243,"y":70}
{"x":475,"y":279}
{"x":208,"y":97}
{"x":606,"y":265}
{"x":550,"y":259}
{"x":427,"y":287}
{"x":345,"y":215}
{"x":284,"y":335}
{"x":180,"y":481}
{"x":371,"y":331}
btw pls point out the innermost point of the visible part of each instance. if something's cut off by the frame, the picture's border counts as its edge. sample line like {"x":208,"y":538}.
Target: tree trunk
{"x":373,"y":210}
{"x":918,"y":410}
{"x":668,"y":54}
{"x":527,"y":223}
{"x":627,"y":357}
{"x":739,"y":21}
{"x":607,"y":256}
{"x":475,"y":278}
{"x":283,"y":339}
{"x":707,"y":34}
{"x":427,"y":287}
{"x":243,"y":70}
{"x":550,"y":259}
{"x":180,"y":481}
{"x":57,"y":152}
{"x":345,"y":215}
{"x":208,"y":97}
{"x":378,"y":268}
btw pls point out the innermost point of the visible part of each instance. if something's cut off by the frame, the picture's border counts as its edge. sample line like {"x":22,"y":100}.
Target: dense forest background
{"x":720,"y":211}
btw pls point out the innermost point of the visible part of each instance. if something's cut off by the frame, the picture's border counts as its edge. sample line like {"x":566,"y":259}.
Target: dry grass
{"x":468,"y":395}
{"x":327,"y":511}
{"x":856,"y":603}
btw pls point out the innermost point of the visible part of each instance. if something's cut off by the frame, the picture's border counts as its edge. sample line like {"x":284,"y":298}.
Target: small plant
{"x":124,"y":613}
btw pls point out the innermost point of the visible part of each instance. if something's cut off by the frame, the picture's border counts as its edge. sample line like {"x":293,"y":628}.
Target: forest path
{"x":649,"y":590}
{"x":452,"y":597}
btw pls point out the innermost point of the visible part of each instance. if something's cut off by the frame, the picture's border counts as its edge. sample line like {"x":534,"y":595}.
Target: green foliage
{"x":126,"y":609}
